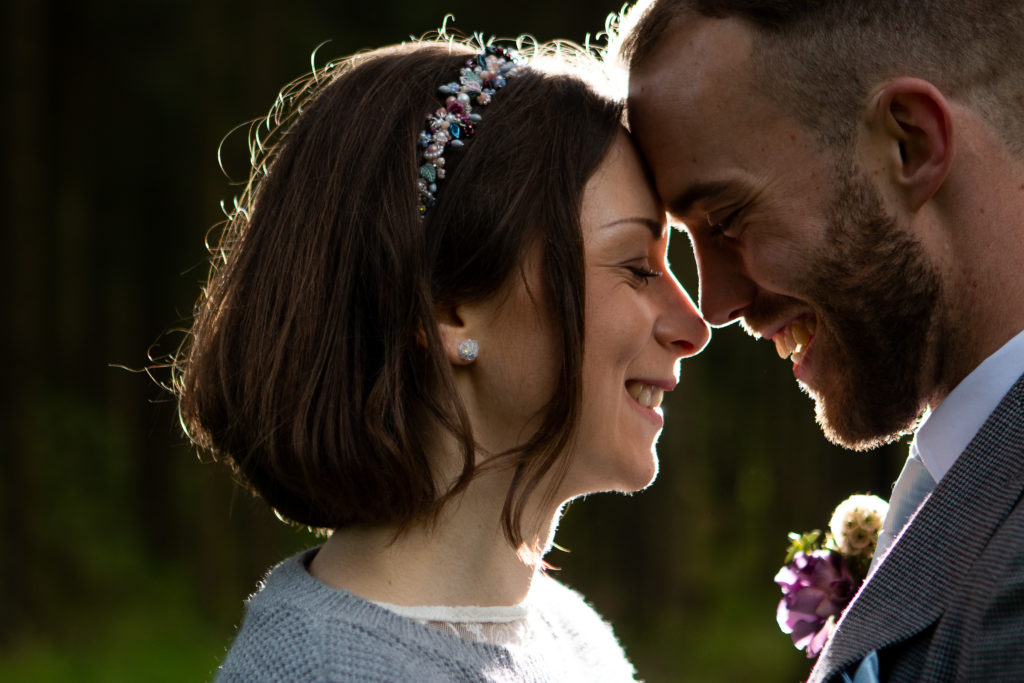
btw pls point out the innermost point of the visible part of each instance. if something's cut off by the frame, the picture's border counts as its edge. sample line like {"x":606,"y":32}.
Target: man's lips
{"x":792,"y":340}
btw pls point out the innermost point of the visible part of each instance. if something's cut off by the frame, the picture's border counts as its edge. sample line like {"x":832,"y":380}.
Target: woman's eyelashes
{"x":642,"y":273}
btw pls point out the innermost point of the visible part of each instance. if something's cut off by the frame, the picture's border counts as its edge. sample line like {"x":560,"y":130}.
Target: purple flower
{"x":816,"y":587}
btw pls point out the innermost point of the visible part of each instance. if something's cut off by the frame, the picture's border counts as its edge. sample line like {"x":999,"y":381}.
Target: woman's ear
{"x":455,"y":324}
{"x":913,"y":120}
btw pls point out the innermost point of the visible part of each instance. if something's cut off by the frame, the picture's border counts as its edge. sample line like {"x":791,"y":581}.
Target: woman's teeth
{"x":793,"y":339}
{"x":646,"y":395}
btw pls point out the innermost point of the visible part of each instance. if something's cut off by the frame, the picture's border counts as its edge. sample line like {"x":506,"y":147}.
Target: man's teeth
{"x":801,"y":334}
{"x":793,"y":340}
{"x":646,"y":395}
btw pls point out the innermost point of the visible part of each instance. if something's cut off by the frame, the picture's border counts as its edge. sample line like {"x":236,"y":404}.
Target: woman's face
{"x":639,"y":323}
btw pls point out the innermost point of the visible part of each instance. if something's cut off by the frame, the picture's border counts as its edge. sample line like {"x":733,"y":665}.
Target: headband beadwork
{"x":452,"y":124}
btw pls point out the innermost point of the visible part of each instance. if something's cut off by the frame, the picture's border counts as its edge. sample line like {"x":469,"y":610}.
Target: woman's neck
{"x":463,"y":559}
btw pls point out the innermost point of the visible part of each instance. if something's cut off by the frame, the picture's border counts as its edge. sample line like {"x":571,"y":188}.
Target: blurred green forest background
{"x":125,"y":555}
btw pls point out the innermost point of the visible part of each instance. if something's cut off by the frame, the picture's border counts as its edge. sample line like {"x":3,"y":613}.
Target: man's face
{"x":789,"y":236}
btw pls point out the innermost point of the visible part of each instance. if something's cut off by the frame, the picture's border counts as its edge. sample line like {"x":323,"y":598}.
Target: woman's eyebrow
{"x":656,"y":227}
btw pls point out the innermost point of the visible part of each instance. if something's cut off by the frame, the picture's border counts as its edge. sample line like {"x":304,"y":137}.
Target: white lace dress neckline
{"x":504,"y":625}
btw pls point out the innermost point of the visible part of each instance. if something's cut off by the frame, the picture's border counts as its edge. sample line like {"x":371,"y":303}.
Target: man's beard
{"x":878,"y":298}
{"x":880,"y":339}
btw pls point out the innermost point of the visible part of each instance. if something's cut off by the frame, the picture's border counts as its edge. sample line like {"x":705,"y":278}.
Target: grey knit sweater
{"x":298,"y":629}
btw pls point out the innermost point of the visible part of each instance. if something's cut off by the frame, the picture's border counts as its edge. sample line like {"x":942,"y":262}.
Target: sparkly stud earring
{"x":469,"y":350}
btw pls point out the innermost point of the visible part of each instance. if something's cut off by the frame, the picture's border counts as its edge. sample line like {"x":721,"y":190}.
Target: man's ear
{"x":914,"y":120}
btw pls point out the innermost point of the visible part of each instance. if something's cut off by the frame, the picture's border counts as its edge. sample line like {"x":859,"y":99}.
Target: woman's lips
{"x":647,"y":395}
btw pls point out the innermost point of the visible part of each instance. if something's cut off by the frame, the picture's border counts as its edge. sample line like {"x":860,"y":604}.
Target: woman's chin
{"x":642,"y":478}
{"x":630,"y":477}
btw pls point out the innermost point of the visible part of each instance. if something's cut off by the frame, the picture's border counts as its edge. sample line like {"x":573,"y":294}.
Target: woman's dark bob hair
{"x":315,"y":364}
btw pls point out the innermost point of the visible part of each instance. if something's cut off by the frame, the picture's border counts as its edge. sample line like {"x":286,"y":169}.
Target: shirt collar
{"x":946,"y":431}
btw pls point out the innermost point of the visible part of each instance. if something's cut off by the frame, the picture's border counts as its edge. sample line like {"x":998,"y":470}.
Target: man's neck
{"x":977,"y":243}
{"x":951,"y":426}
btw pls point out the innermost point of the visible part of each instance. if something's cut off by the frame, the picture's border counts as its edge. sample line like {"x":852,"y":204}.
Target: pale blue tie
{"x":913,"y":486}
{"x":867,"y":670}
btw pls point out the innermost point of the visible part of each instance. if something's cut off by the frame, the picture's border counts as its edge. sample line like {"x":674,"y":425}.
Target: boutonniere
{"x":823,"y":572}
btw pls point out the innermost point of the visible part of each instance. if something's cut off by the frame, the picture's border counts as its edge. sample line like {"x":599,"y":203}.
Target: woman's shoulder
{"x":553,"y":597}
{"x":573,"y":620}
{"x":298,"y":629}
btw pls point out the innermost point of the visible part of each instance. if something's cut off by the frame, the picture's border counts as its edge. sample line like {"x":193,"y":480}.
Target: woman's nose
{"x":681,"y":325}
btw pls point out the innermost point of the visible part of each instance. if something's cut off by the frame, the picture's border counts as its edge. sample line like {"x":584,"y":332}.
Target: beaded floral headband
{"x":452,"y":124}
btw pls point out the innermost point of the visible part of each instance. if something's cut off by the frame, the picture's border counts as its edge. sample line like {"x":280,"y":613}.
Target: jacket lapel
{"x":910,"y":588}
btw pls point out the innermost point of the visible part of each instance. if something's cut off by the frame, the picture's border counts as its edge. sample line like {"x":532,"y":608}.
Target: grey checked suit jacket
{"x":947,"y":604}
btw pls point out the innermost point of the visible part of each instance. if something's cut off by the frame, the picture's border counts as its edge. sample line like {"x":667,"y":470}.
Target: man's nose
{"x":726,"y":290}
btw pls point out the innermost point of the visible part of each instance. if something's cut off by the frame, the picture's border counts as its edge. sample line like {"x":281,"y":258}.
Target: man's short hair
{"x":819,"y":59}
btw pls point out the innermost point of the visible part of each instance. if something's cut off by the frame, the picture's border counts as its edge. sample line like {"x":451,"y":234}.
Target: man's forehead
{"x":689,"y":101}
{"x":694,"y":55}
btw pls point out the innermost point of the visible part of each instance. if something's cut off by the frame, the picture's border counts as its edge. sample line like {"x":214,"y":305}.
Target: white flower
{"x":855,"y":524}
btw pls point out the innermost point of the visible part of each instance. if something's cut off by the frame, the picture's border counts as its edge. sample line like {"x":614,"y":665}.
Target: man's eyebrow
{"x":657,"y":228}
{"x":684,"y":202}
